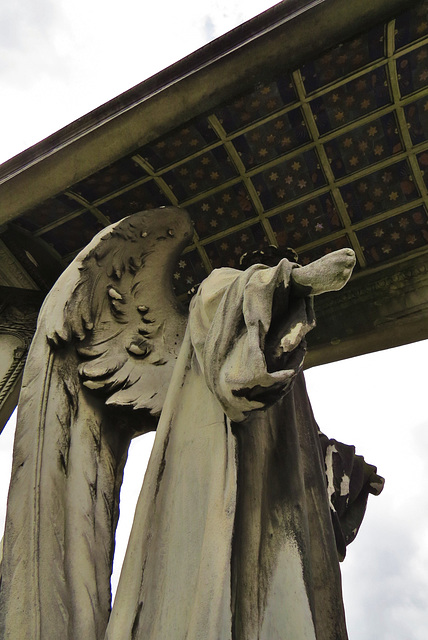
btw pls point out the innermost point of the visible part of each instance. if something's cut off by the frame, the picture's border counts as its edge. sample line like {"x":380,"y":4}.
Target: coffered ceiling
{"x":331,"y":154}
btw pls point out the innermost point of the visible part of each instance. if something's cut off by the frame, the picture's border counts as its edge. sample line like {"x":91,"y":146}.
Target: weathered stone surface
{"x":233,"y":535}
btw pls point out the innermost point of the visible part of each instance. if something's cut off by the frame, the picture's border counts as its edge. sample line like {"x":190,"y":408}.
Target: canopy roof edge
{"x":295,"y":31}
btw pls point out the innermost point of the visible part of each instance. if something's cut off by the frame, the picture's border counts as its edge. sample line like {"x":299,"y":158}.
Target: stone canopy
{"x":304,"y":127}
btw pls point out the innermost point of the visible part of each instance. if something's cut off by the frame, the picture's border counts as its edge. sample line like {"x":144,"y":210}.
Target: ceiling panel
{"x":330,"y":155}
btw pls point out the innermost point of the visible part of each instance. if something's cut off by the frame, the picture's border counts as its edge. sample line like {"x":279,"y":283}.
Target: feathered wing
{"x":97,"y":373}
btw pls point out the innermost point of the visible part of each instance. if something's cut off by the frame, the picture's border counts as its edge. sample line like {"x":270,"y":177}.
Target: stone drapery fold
{"x":233,"y":514}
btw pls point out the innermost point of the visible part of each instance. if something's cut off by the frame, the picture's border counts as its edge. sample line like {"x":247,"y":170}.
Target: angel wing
{"x":108,"y":334}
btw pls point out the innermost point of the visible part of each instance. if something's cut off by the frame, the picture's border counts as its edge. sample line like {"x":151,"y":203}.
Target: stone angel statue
{"x":240,"y":525}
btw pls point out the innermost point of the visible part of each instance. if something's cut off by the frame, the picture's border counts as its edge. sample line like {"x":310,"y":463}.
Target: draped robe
{"x":232,"y":537}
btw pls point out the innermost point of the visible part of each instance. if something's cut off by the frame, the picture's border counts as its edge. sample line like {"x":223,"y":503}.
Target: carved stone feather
{"x":108,"y":334}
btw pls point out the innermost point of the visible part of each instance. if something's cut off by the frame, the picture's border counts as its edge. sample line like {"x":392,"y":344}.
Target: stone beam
{"x":383,"y":309}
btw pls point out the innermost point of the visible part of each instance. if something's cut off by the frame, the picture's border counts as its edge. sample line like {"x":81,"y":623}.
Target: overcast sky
{"x":59,"y":60}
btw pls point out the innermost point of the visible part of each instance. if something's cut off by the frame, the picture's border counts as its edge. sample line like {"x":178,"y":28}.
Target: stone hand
{"x":329,"y":273}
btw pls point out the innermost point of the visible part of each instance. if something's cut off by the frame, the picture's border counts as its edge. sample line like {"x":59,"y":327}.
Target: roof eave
{"x":280,"y":38}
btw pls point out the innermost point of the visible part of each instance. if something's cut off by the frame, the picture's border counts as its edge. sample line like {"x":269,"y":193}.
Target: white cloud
{"x":59,"y":60}
{"x":138,"y":458}
{"x":378,"y":403}
{"x":28,"y":41}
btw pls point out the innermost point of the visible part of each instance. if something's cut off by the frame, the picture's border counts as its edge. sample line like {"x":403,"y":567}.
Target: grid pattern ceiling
{"x":334,"y":154}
